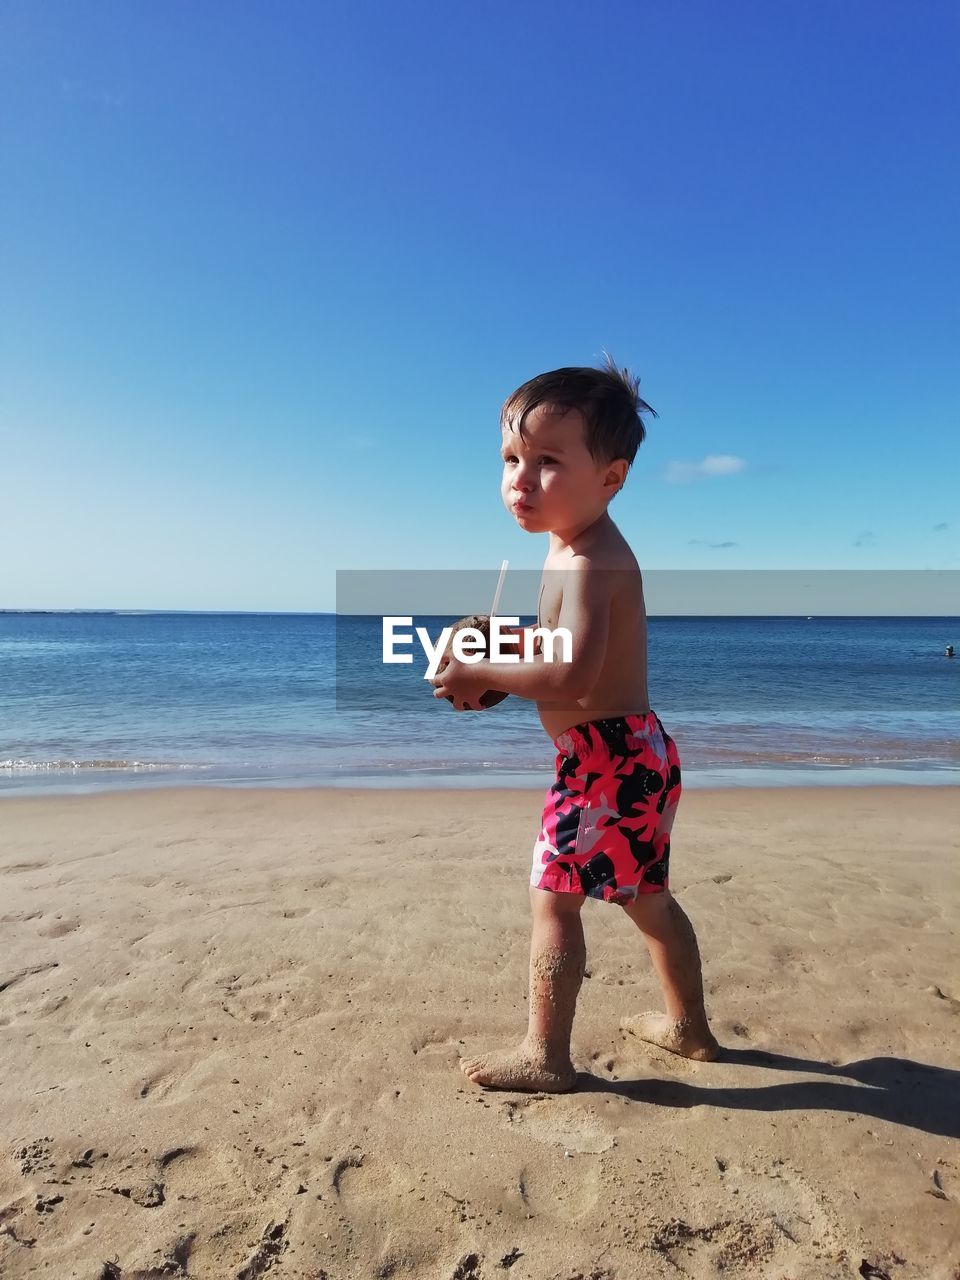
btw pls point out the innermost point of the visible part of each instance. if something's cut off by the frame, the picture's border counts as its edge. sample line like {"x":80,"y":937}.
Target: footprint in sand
{"x":58,"y":928}
{"x":17,"y":1217}
{"x":254,"y":999}
{"x":21,"y":975}
{"x":779,"y":1218}
{"x":606,"y":1064}
{"x":173,"y":1154}
{"x":548,"y":1120}
{"x":951,"y":1003}
{"x":731,"y":1246}
{"x":369,"y":1192}
{"x":157,"y":1085}
{"x":573,"y":1190}
{"x":436,"y":1045}
{"x":167,"y":1082}
{"x":352,"y":1161}
{"x":273,"y":1244}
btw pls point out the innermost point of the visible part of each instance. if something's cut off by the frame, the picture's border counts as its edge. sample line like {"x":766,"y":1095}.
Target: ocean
{"x":92,"y":701}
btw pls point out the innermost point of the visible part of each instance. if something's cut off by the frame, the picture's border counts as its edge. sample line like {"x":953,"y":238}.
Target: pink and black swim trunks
{"x":607,"y":818}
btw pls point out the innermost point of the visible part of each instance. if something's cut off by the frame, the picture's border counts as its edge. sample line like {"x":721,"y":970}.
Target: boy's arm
{"x":521,"y":632}
{"x":585,"y":612}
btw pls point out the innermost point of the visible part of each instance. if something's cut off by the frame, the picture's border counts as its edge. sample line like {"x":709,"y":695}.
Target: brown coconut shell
{"x":478,"y":622}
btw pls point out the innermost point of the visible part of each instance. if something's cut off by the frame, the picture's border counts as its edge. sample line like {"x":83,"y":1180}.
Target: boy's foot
{"x":522,"y":1068}
{"x":678,"y":1037}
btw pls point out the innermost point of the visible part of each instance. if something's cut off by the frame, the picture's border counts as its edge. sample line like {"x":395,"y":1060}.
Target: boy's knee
{"x":648,"y":906}
{"x":544,"y":902}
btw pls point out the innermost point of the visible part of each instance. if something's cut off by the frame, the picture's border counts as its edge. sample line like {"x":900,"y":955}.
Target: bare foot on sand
{"x":526,"y":1067}
{"x":679,"y":1037}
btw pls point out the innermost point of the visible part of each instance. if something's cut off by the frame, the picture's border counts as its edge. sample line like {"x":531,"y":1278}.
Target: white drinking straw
{"x":496,"y":596}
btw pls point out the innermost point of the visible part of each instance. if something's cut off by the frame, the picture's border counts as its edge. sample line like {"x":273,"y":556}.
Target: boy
{"x":569,"y":438}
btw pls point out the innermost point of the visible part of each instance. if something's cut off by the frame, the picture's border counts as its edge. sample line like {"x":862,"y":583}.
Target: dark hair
{"x":608,"y":400}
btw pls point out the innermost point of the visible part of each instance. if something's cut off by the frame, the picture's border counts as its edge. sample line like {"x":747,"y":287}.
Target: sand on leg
{"x":557,"y":959}
{"x":672,"y":945}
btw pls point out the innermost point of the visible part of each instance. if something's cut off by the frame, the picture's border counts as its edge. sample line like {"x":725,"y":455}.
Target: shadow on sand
{"x":895,"y":1089}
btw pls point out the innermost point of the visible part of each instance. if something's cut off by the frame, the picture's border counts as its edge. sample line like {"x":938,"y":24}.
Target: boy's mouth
{"x":522,"y":508}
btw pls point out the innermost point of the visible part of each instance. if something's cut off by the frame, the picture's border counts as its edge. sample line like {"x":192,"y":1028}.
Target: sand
{"x":231,"y":1022}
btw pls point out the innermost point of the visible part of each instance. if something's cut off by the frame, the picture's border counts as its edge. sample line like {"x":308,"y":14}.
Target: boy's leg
{"x":557,"y":959}
{"x":673,"y":949}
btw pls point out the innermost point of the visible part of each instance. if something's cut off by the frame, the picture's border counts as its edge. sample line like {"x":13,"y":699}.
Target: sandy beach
{"x":231,"y":1022}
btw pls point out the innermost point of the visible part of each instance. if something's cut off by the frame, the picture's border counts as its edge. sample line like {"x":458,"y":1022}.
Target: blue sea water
{"x":90,"y":701}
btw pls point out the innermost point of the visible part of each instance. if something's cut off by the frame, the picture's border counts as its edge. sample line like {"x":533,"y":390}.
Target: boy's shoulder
{"x":606,"y":569}
{"x":607,"y":573}
{"x":605,"y":549}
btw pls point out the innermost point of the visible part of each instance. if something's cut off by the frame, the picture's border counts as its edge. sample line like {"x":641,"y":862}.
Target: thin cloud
{"x":865,"y":539}
{"x":939,"y":528}
{"x":717,"y":546}
{"x":714,"y":464}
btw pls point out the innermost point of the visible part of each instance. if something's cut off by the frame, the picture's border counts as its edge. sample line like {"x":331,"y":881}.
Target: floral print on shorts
{"x":607,"y":818}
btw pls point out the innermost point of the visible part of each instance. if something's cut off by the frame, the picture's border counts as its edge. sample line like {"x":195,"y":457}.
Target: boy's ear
{"x":616,"y":474}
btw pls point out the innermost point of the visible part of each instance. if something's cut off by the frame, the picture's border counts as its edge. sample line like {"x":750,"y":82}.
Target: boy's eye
{"x":548,"y":460}
{"x":511,"y":458}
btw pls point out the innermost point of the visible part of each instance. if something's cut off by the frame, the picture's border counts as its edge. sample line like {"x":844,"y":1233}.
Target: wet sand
{"x":231,"y":1022}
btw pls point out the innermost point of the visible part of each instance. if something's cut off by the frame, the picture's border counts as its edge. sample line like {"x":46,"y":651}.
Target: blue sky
{"x":269,"y":272}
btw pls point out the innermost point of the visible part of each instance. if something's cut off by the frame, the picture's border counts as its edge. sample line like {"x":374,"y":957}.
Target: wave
{"x":64,"y":766}
{"x":937,"y":758}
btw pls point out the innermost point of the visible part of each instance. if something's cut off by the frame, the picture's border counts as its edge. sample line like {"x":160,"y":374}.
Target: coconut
{"x":477,"y":622}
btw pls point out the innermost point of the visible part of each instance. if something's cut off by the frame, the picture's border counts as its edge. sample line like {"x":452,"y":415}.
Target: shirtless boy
{"x":569,"y":438}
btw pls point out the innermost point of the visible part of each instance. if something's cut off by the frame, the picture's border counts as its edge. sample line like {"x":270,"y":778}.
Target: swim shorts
{"x":607,"y":818}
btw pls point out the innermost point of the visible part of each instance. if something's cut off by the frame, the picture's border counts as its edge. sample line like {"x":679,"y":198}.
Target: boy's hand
{"x":459,"y":682}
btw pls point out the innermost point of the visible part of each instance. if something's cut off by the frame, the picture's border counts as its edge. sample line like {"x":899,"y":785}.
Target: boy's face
{"x":551,"y":482}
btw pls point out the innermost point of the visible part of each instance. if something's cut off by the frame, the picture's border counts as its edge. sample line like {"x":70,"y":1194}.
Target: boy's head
{"x":569,"y":437}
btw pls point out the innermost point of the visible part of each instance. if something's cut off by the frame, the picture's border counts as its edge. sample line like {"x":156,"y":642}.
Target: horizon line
{"x":332,"y":613}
